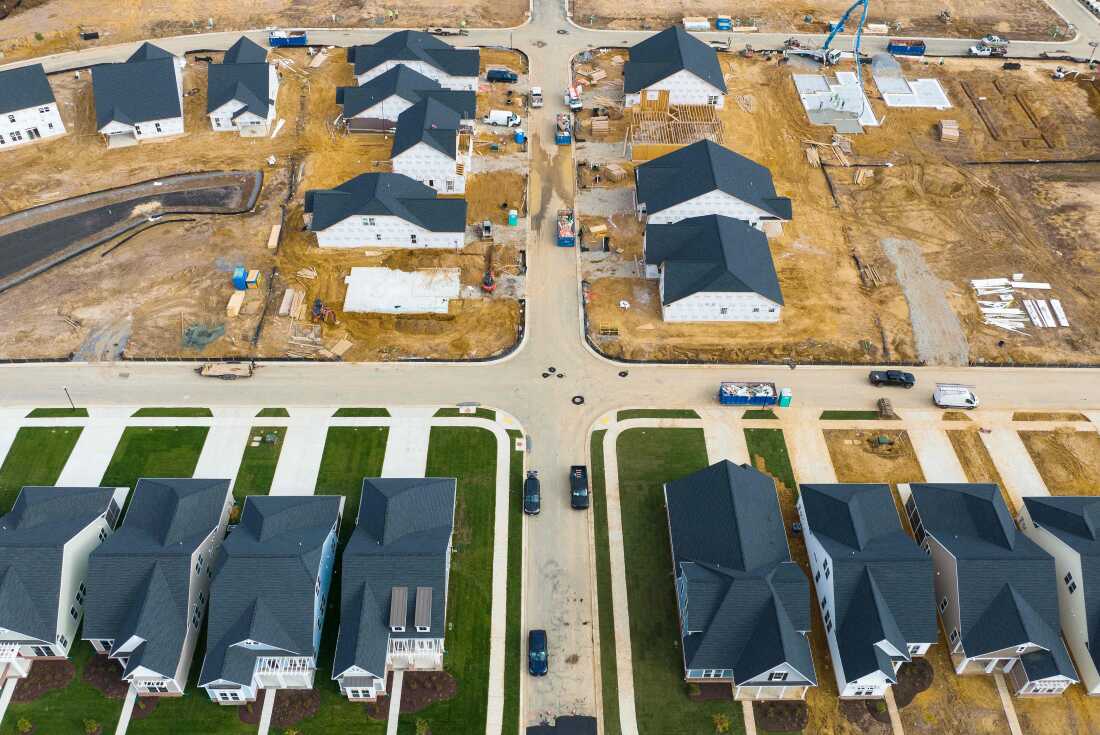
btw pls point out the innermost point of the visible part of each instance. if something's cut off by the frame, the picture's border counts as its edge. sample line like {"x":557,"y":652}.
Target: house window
{"x":43,"y":109}
{"x":756,"y":310}
{"x":1072,"y":587}
{"x":368,"y":221}
{"x":105,"y":645}
{"x":412,"y":238}
{"x":826,"y":569}
{"x":202,"y":598}
{"x":217,"y":122}
{"x":378,"y":236}
{"x":824,"y":600}
{"x":137,"y":129}
{"x":943,"y":603}
{"x":73,"y":612}
{"x":156,"y":687}
{"x":914,"y":649}
{"x":829,"y":627}
{"x":102,"y":535}
{"x":1069,"y":582}
{"x":724,"y":310}
{"x":2,"y":141}
{"x":777,"y":676}
{"x":398,"y":629}
{"x":817,"y":577}
{"x":200,"y":564}
{"x":954,"y":635}
{"x":421,"y":629}
{"x":1068,"y":578}
{"x":11,"y":118}
{"x":112,"y":513}
{"x":16,"y":136}
{"x":156,"y":126}
{"x":63,"y":641}
{"x":42,"y":651}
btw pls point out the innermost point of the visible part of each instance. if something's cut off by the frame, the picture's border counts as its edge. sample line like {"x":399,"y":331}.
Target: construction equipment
{"x":563,"y":130}
{"x":567,"y":228}
{"x":828,"y":56}
{"x":989,"y":46}
{"x":488,"y":281}
{"x":322,"y":313}
{"x":485,"y":230}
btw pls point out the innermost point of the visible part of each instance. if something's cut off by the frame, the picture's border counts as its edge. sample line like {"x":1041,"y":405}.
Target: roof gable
{"x":153,"y":73}
{"x":385,"y":194}
{"x":24,"y":87}
{"x":245,"y":51}
{"x":665,"y":53}
{"x":428,"y":121}
{"x":416,"y":46}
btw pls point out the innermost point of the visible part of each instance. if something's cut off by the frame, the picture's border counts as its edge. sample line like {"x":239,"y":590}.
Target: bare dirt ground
{"x":58,"y":21}
{"x":1074,"y":711}
{"x":1067,"y":460}
{"x":1010,"y":18}
{"x":857,"y":459}
{"x":138,"y":299}
{"x":976,"y":462}
{"x":954,"y":704}
{"x":968,"y":221}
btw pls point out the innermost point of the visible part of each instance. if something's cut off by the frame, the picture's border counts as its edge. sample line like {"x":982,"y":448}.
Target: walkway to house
{"x":936,"y":455}
{"x":92,"y":453}
{"x":395,"y":702}
{"x":725,"y":437}
{"x":303,"y":448}
{"x":1013,"y":462}
{"x":892,"y":710}
{"x":809,"y":453}
{"x":224,"y":448}
{"x":265,"y":713}
{"x":750,"y":717}
{"x":1006,"y":702}
{"x":5,"y":695}
{"x":127,"y":710}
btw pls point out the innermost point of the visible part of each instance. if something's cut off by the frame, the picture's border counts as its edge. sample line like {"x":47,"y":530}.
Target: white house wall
{"x":385,"y":231}
{"x":429,"y":166}
{"x":388,"y":109}
{"x":684,"y":88}
{"x":445,"y":80}
{"x":713,"y":202}
{"x":222,"y":120}
{"x":44,"y":121}
{"x":707,"y":306}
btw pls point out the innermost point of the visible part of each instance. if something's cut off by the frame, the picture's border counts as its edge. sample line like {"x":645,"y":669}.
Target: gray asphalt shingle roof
{"x":139,"y":578}
{"x":244,"y":76}
{"x":402,"y":538}
{"x":263,"y":588}
{"x":409,"y":85}
{"x":152,"y":71}
{"x":748,"y":602}
{"x":1007,"y":583}
{"x":665,"y":53}
{"x":712,"y":254}
{"x":385,"y":194}
{"x":32,"y":540}
{"x":428,"y":121}
{"x":882,"y":581}
{"x":23,"y":88}
{"x":704,"y":167}
{"x":416,"y":46}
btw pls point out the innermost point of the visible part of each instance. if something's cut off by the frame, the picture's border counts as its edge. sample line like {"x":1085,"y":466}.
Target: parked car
{"x":949,"y":395}
{"x":893,"y":377}
{"x":538,"y":657}
{"x":501,"y":75}
{"x":532,"y":494}
{"x":578,"y":487}
{"x":536,"y":97}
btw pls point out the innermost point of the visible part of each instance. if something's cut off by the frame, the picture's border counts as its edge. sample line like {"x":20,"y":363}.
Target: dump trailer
{"x":227,"y":370}
{"x":906,"y":47}
{"x":567,"y":228}
{"x":563,"y":130}
{"x":282,"y":39}
{"x":747,"y":393}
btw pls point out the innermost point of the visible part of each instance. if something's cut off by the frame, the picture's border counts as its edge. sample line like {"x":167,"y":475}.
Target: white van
{"x":503,"y":118}
{"x":951,"y":395}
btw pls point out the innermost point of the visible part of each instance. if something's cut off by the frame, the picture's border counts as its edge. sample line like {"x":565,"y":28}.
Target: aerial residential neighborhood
{"x":549,"y":368}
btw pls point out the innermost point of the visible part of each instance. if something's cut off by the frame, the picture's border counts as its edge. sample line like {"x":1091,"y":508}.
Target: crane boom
{"x":844,"y":19}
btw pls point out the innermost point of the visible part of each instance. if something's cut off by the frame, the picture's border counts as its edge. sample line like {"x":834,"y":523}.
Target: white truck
{"x":989,"y":46}
{"x":503,"y":118}
{"x":536,"y":97}
{"x":953,"y":395}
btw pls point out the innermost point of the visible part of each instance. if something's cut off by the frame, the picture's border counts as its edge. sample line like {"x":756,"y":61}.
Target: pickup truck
{"x":501,"y":75}
{"x":892,"y":377}
{"x":536,"y":97}
{"x":227,"y":370}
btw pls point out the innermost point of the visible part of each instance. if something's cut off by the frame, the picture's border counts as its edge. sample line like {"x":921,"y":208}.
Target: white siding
{"x":387,"y":109}
{"x":720,"y":307}
{"x":385,"y":231}
{"x":713,"y":202}
{"x":20,"y":127}
{"x":150,"y":129}
{"x":248,"y":125}
{"x":429,"y":166}
{"x":684,"y":88}
{"x":444,"y":79}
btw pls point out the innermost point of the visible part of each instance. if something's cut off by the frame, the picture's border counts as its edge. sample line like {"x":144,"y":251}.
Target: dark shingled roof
{"x":1076,"y":522}
{"x":244,"y":75}
{"x":24,"y":87}
{"x":712,"y":254}
{"x":882,"y":581}
{"x":416,"y":46}
{"x":32,"y":541}
{"x":263,"y":587}
{"x":665,"y":53}
{"x":385,"y":194}
{"x":1007,"y":583}
{"x":703,"y":167}
{"x":152,"y":71}
{"x":749,"y":604}
{"x":428,"y":121}
{"x":409,"y":85}
{"x":402,"y":538}
{"x":139,"y":578}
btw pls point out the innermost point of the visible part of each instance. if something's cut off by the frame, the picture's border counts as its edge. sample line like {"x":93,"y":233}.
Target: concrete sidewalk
{"x":395,"y":702}
{"x":265,"y":713}
{"x":1013,"y":462}
{"x":92,"y":454}
{"x":725,"y":436}
{"x":222,"y":453}
{"x":809,"y":453}
{"x":936,"y":455}
{"x":407,"y":448}
{"x":300,"y":458}
{"x":127,"y":711}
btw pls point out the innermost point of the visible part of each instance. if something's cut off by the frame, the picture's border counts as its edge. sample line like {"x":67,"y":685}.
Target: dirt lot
{"x":58,"y":21}
{"x":1074,"y":711}
{"x":855,"y":459}
{"x":1067,"y":460}
{"x":1010,"y":18}
{"x":99,"y":306}
{"x":955,"y":704}
{"x":967,"y":222}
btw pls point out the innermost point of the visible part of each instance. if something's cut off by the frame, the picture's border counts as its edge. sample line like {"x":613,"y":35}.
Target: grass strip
{"x":656,"y":413}
{"x":769,"y":445}
{"x":36,"y":457}
{"x":480,"y":413}
{"x":58,"y":413}
{"x":608,"y":662}
{"x":154,"y":451}
{"x":361,"y":412}
{"x":258,"y":463}
{"x":759,"y":413}
{"x":157,"y":412}
{"x":513,"y":635}
{"x":849,"y":416}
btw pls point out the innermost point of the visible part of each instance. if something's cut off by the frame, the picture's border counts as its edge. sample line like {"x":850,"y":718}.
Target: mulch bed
{"x":249,"y":712}
{"x":106,"y":675}
{"x":420,"y":690}
{"x":45,"y":676}
{"x":913,"y":678}
{"x":294,"y":705}
{"x":709,"y":692}
{"x":861,"y":712}
{"x":143,"y":707}
{"x":781,"y":715}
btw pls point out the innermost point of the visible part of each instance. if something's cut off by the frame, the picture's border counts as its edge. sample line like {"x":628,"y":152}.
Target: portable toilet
{"x":785,"y":398}
{"x":240,"y":278}
{"x":520,"y":136}
{"x":513,"y":217}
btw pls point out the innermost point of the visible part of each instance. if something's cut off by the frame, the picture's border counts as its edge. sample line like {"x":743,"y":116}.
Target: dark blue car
{"x":501,"y":75}
{"x":532,"y":494}
{"x":538,"y":658}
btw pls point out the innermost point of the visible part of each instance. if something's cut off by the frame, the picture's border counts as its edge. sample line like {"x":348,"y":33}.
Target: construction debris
{"x":308,"y":273}
{"x":949,"y":131}
{"x":233,"y":308}
{"x":1000,"y":312}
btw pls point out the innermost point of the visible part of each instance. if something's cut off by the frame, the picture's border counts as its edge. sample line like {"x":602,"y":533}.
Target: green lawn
{"x":361,"y":412}
{"x":849,"y":415}
{"x":58,"y":413}
{"x":656,"y":413}
{"x":258,"y":463}
{"x":513,"y":635}
{"x":769,"y":444}
{"x":480,"y":413}
{"x":647,"y":459}
{"x":272,"y":413}
{"x":759,"y":413}
{"x":154,"y":451}
{"x":351,"y":453}
{"x":610,"y":684}
{"x":36,"y":457}
{"x":173,"y":412}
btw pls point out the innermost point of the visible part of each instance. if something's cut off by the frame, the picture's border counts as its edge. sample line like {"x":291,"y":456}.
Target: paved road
{"x":558,"y":578}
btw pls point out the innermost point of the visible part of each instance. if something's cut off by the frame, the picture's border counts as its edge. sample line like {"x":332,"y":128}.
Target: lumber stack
{"x":949,"y":131}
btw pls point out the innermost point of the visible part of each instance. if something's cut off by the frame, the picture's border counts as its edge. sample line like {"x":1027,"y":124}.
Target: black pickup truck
{"x":892,"y":377}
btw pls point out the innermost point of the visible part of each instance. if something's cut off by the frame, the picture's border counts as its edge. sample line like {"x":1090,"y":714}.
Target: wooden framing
{"x":654,"y":132}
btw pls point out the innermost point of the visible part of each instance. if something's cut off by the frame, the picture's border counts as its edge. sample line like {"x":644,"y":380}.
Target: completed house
{"x":744,"y":605}
{"x":140,"y":99}
{"x":28,"y":110}
{"x":383,"y":210}
{"x":241,"y":91}
{"x":673,"y":67}
{"x":149,"y":583}
{"x":430,"y":146}
{"x":394,"y":572}
{"x":422,"y":52}
{"x":713,"y":269}
{"x":267,"y":603}
{"x":376,"y":105}
{"x":45,"y":542}
{"x":705,"y":178}
{"x":873,"y":583}
{"x":1068,"y":528}
{"x":996,"y":589}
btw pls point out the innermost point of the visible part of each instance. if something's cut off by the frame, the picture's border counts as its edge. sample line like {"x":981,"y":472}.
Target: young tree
{"x":721,"y":722}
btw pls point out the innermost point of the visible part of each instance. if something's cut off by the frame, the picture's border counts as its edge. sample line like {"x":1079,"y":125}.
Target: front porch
{"x":760,"y":693}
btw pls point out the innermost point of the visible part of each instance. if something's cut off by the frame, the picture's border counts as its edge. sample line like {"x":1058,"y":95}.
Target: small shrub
{"x":721,"y":722}
{"x":91,"y":727}
{"x":292,"y":731}
{"x":693,"y":689}
{"x":235,"y":514}
{"x":422,"y":727}
{"x":38,"y":37}
{"x":24,"y":725}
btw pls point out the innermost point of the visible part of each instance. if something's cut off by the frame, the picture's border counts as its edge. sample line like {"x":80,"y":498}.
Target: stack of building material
{"x":233,"y":308}
{"x":1000,"y":312}
{"x":949,"y":131}
{"x":615,"y":172}
{"x":600,"y":125}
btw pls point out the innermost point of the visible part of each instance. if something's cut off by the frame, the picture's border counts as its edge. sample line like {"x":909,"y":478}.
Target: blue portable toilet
{"x":520,"y":136}
{"x":240,"y":278}
{"x":513,"y":217}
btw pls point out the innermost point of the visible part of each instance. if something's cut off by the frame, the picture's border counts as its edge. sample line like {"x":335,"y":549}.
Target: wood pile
{"x":233,"y":308}
{"x":615,"y":172}
{"x":293,"y":303}
{"x":813,"y":157}
{"x":862,"y":175}
{"x":949,"y":131}
{"x":600,"y":125}
{"x":868,"y":273}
